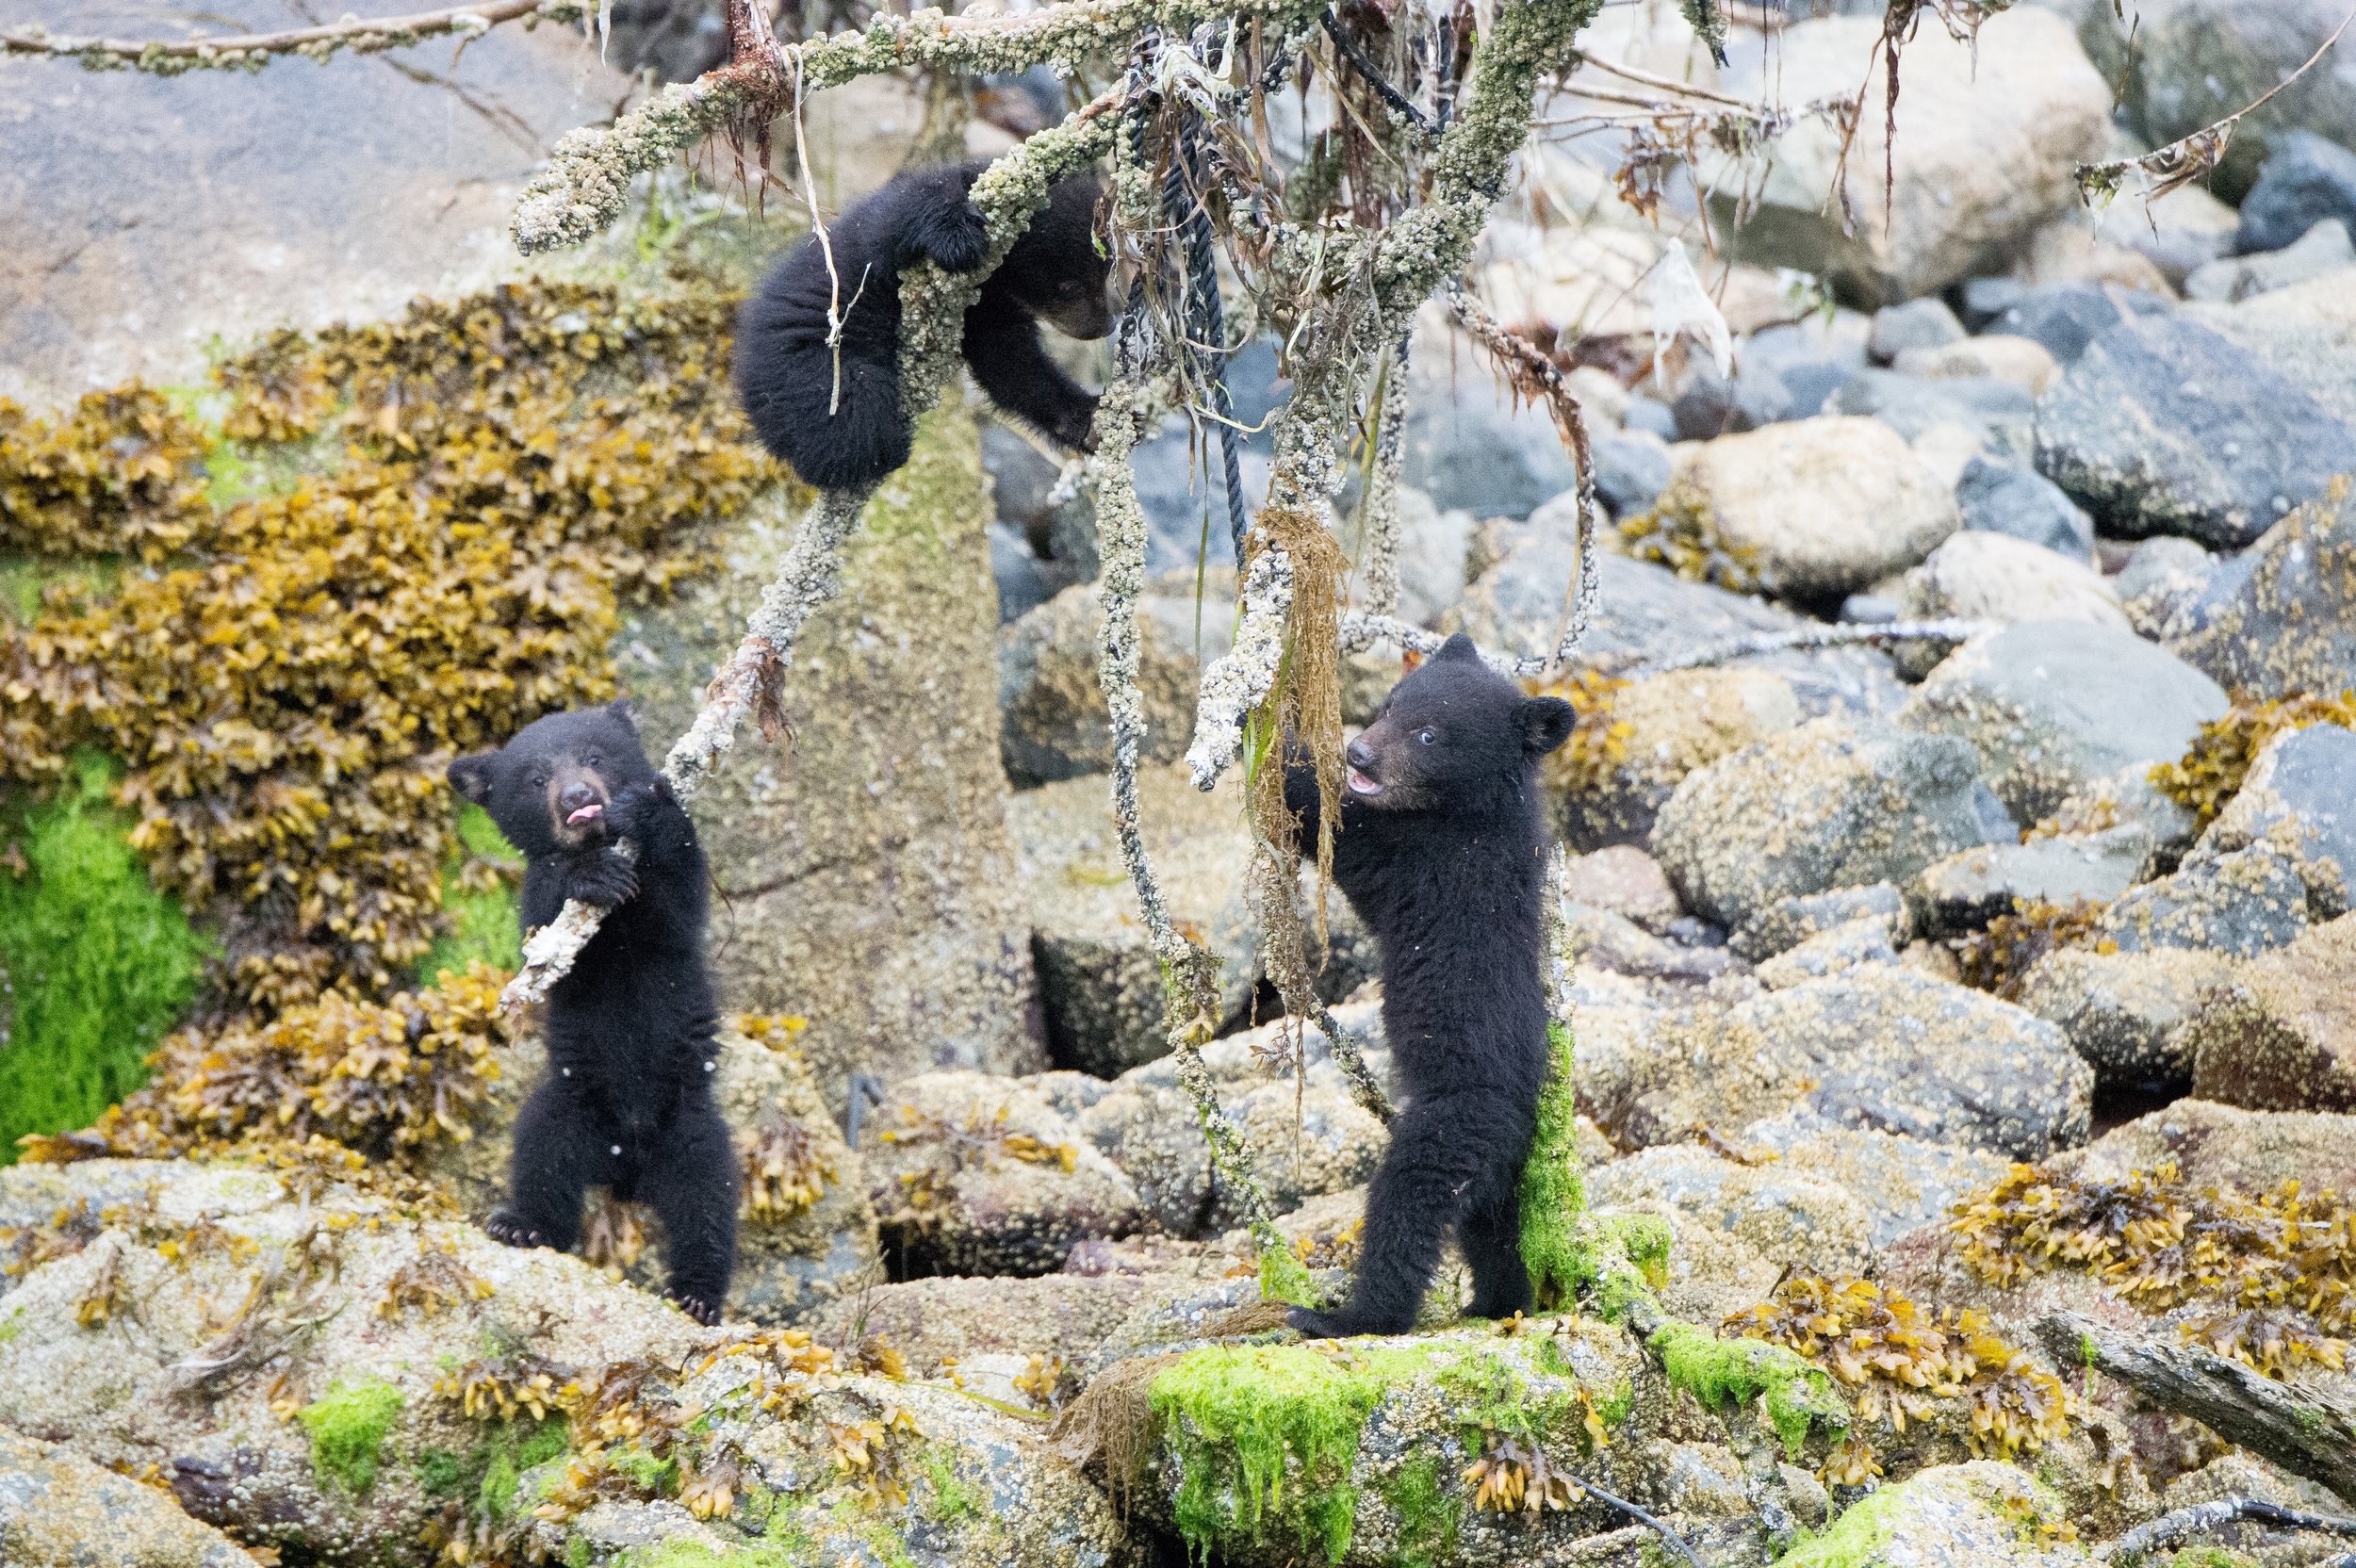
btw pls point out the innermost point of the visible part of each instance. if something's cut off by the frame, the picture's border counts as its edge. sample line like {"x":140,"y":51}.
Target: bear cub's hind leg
{"x":547,"y":1175}
{"x":692,"y":1179}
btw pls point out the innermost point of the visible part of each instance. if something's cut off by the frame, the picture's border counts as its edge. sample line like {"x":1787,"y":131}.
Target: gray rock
{"x":1956,"y":1513}
{"x":976,"y":1174}
{"x":1022,"y":480}
{"x":1306,"y":1144}
{"x":1468,"y":447}
{"x":1967,"y":890}
{"x":1925,"y":323}
{"x":1182,"y":490}
{"x":2192,"y":62}
{"x":1631,"y":470}
{"x":2167,"y":426}
{"x":1673,"y":723}
{"x":1713,"y":405}
{"x":2305,"y":180}
{"x":2285,"y":620}
{"x":1906,"y":1182}
{"x":1984,"y":298}
{"x":1892,"y":1050}
{"x":1862,"y":940}
{"x":1614,"y":941}
{"x":1100,"y":983}
{"x":2125,"y":1012}
{"x":1625,"y":880}
{"x":2243,"y":903}
{"x":1996,"y":498}
{"x":2067,"y":317}
{"x":2001,"y":410}
{"x":2050,"y":706}
{"x":1790,"y":922}
{"x":1053,"y":721}
{"x":1828,"y":805}
{"x":1024,"y":581}
{"x":1994,"y":577}
{"x":2279,"y":1036}
{"x":2127,"y":798}
{"x":2298,"y":797}
{"x":2165,"y":565}
{"x":2323,"y":249}
{"x":870,"y":876}
{"x":1435,"y":547}
{"x":157,"y":214}
{"x":1647,"y":417}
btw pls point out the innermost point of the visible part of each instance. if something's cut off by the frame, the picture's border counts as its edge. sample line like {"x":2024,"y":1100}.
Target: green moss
{"x":1852,"y":1539}
{"x":348,"y":1429}
{"x":1729,"y":1375}
{"x":485,"y":923}
{"x":98,"y":963}
{"x":657,"y":1477}
{"x":886,"y":1544}
{"x":1266,"y":1435}
{"x":1553,"y":1188}
{"x":1428,"y":1514}
{"x":952,"y":1499}
{"x":12,"y":1326}
{"x":793,"y":1553}
{"x":489,"y":1476}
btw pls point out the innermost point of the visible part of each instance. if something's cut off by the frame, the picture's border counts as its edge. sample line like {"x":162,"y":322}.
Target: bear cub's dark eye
{"x":591,"y":761}
{"x":1425,"y":736}
{"x":539,"y":781}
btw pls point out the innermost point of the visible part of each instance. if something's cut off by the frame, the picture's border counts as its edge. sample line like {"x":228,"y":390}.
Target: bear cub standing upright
{"x":1440,"y":850}
{"x":834,"y":411}
{"x":627,"y":1102}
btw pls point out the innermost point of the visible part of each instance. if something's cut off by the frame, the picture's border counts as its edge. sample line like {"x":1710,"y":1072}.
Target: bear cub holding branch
{"x":1440,"y":850}
{"x":627,"y":1102}
{"x":834,"y":411}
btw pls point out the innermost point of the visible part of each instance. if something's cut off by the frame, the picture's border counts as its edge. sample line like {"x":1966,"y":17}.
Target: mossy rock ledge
{"x":330,"y":1376}
{"x":1354,"y":1452}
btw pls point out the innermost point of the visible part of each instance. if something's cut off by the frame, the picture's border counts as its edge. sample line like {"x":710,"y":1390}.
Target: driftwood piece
{"x":2303,"y":1432}
{"x":2174,"y":1529}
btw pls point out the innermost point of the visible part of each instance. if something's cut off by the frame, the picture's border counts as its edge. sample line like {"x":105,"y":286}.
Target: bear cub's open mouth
{"x":587,"y":814}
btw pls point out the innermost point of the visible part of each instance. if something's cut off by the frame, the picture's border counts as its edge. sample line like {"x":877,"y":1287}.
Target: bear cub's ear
{"x":472,"y":777}
{"x":626,"y":710}
{"x":1545,"y":723}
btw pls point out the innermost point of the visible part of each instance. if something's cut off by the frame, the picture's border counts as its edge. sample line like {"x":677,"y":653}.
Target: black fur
{"x":1443,"y":860}
{"x":786,"y":373}
{"x":627,"y":1102}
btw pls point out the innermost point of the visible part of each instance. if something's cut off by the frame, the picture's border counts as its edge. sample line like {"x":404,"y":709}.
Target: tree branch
{"x":2174,"y":1529}
{"x":252,"y":50}
{"x":2303,"y":1431}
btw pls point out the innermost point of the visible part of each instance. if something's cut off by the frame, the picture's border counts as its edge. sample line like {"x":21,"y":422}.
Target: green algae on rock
{"x":347,"y":1427}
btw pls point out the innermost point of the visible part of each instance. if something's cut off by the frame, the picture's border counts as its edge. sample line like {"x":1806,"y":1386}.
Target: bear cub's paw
{"x":956,"y":237}
{"x":1334,"y":1325}
{"x":603,"y":878}
{"x":703,"y":1312}
{"x":509,"y":1228}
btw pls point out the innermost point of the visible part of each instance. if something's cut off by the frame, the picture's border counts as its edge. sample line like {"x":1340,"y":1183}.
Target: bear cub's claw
{"x":957,"y":239}
{"x":508,"y":1229}
{"x":703,"y":1312}
{"x":604,"y":879}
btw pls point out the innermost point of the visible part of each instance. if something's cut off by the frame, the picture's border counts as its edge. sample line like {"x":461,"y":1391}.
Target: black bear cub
{"x":1440,"y":850}
{"x":627,"y":1102}
{"x":837,"y":417}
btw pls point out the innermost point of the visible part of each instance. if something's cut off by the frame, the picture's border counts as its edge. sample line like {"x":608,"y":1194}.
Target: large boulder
{"x":2126,"y":1012}
{"x":1100,"y":981}
{"x":1306,"y":1142}
{"x":335,"y":192}
{"x":1055,"y":722}
{"x":2185,"y":64}
{"x":1794,"y":1220}
{"x":2023,"y":504}
{"x":1983,"y":147}
{"x":59,"y":1511}
{"x":2214,"y":1145}
{"x":868,"y":876}
{"x":2324,"y":250}
{"x":2286,"y":623}
{"x":1660,"y":730}
{"x":1889,"y":1049}
{"x":2050,"y":706}
{"x":2296,"y":796}
{"x":975,"y":1174}
{"x":1967,"y":890}
{"x":2305,"y":180}
{"x":1978,"y":576}
{"x":2282,"y":1034}
{"x":2171,"y":425}
{"x":2243,"y":903}
{"x":1827,"y":805}
{"x":1813,"y":509}
{"x":805,"y":1233}
{"x":1904,"y":1183}
{"x":1985,"y":1513}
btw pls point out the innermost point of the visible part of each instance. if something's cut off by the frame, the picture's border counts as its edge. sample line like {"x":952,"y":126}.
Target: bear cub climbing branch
{"x":835,"y":411}
{"x":1440,"y":850}
{"x":627,"y":1102}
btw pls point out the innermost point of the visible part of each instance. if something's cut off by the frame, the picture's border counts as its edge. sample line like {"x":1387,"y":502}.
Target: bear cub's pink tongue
{"x":1361,"y":784}
{"x":585,"y":814}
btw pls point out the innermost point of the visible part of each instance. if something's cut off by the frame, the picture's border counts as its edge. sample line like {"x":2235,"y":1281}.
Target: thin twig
{"x":1394,"y":99}
{"x":252,"y":50}
{"x":1640,"y":1516}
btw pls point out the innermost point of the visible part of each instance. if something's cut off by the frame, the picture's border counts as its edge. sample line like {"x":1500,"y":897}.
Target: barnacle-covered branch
{"x":1189,"y":969}
{"x":253,"y":51}
{"x":1240,"y":679}
{"x":1361,"y":629}
{"x":1841,"y":634}
{"x":2183,"y":1525}
{"x":1377,"y":545}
